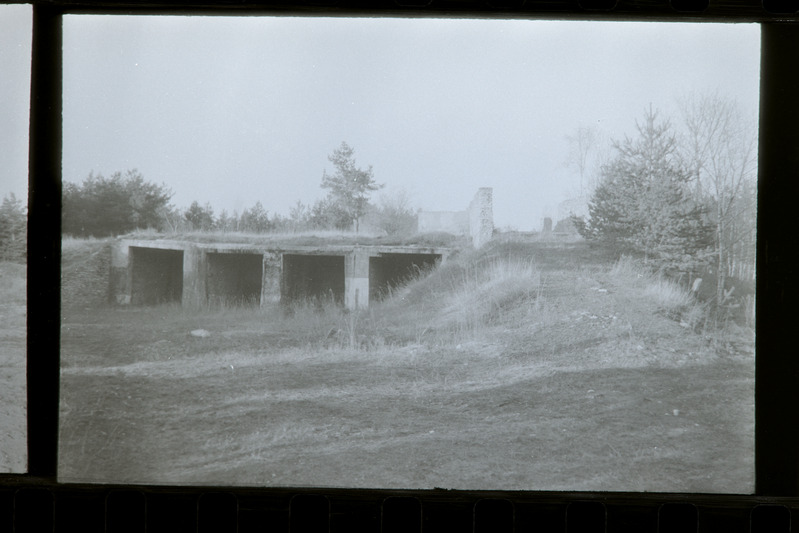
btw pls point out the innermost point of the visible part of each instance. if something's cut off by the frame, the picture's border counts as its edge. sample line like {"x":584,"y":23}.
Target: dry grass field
{"x":13,"y":423}
{"x":525,"y":366}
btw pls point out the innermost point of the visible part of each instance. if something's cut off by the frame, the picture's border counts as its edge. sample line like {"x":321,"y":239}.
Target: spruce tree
{"x":641,"y":205}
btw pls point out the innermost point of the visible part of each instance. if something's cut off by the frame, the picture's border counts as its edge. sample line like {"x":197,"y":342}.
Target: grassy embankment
{"x":13,"y":423}
{"x":524,"y":366}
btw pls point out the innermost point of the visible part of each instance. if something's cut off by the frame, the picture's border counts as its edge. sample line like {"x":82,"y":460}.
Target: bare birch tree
{"x":720,"y":150}
{"x":585,"y":156}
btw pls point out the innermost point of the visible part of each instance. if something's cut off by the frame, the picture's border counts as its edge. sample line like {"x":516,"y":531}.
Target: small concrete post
{"x":270,"y":281}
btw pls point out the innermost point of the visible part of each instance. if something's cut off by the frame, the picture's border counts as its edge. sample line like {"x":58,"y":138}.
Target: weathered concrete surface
{"x":194,"y":272}
{"x":481,"y":217}
{"x":272,"y":270}
{"x":356,"y":280}
{"x":477,"y":221}
{"x":120,"y":275}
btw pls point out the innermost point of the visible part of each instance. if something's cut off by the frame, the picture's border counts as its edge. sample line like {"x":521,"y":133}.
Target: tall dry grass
{"x":668,"y":294}
{"x":486,"y":294}
{"x":676,"y":302}
{"x":453,"y":303}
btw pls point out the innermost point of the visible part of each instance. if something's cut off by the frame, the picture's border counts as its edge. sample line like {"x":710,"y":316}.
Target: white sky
{"x":234,"y":110}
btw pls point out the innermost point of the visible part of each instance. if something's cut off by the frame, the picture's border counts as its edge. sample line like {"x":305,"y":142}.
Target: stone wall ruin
{"x":476,"y":222}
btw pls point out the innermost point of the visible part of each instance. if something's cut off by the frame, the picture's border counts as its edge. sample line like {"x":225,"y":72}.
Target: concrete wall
{"x":481,"y":217}
{"x":120,"y":274}
{"x":477,"y":221}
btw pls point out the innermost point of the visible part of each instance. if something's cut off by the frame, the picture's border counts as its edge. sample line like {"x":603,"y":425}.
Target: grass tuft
{"x":667,"y":294}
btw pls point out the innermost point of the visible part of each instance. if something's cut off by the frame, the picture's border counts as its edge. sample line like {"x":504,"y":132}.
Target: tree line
{"x":685,"y":201}
{"x":109,"y":206}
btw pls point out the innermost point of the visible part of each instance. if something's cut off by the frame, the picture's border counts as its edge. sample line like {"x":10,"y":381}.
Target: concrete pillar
{"x":270,"y":283}
{"x":194,"y":272}
{"x":356,"y":280}
{"x":120,"y":274}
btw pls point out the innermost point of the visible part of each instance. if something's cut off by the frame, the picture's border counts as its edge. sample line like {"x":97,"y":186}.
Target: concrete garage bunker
{"x":147,"y":272}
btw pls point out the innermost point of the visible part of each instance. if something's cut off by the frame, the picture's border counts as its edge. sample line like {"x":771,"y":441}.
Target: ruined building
{"x":477,"y":221}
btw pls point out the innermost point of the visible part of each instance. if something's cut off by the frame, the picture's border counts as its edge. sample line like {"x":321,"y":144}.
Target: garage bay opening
{"x":312,"y":279}
{"x":156,"y":276}
{"x":234,"y":278}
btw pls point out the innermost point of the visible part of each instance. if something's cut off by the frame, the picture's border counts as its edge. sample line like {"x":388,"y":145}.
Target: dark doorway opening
{"x":313,"y":279}
{"x":156,"y":276}
{"x":234,"y":278}
{"x":389,"y":271}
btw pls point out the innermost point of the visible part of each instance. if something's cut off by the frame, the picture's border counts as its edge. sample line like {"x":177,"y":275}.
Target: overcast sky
{"x":15,"y":67}
{"x":234,"y":110}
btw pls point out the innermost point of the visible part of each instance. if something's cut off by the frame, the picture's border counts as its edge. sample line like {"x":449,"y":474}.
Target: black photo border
{"x":33,"y":500}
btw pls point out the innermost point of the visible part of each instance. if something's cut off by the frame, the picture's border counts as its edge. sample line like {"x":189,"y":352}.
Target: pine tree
{"x":349,"y":186}
{"x":641,"y":205}
{"x":255,"y":219}
{"x":200,"y":218}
